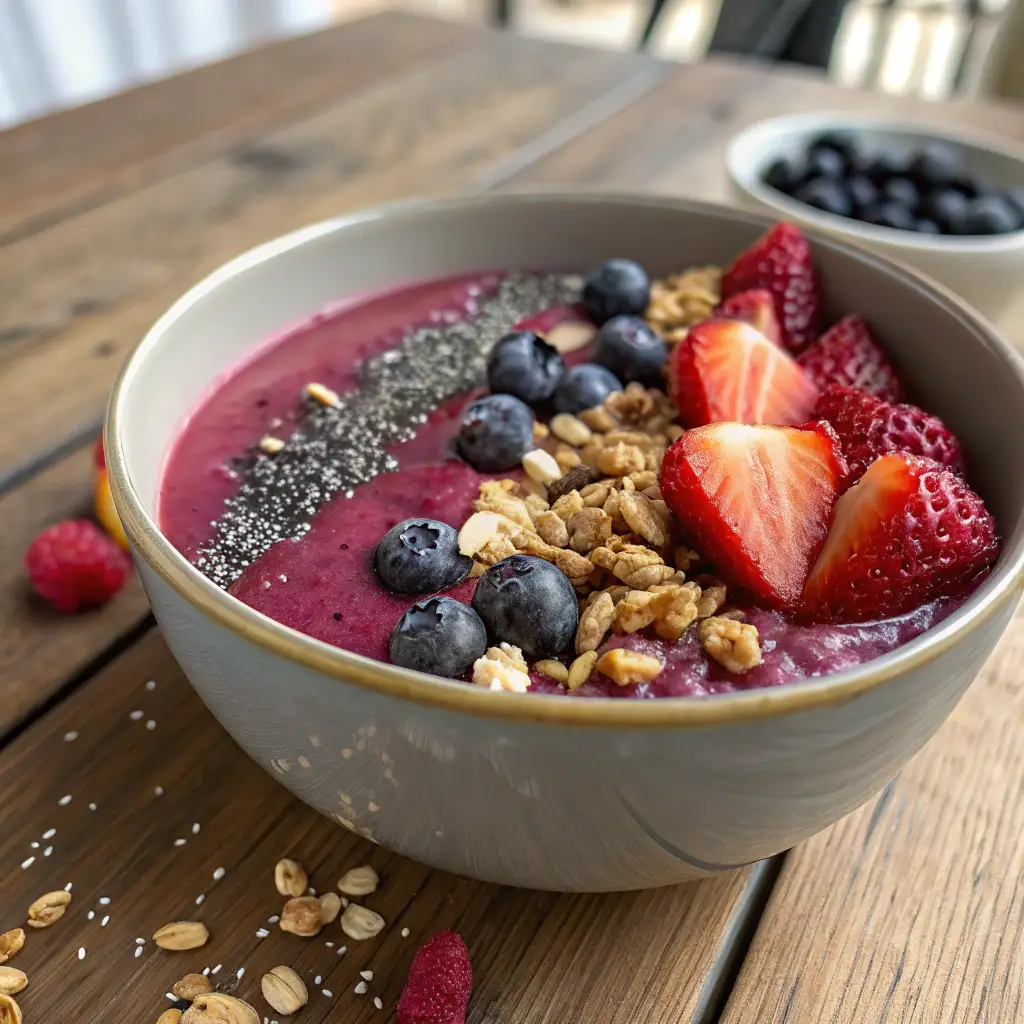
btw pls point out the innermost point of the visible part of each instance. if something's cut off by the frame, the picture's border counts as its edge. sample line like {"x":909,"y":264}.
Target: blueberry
{"x":902,"y":191}
{"x":584,"y":386}
{"x":525,"y":365}
{"x":527,"y":602}
{"x":883,"y":166}
{"x":862,"y":192}
{"x":890,"y":215}
{"x":825,"y":194}
{"x":631,"y":349}
{"x":439,"y":635}
{"x":496,"y":432}
{"x":927,"y":227}
{"x":991,"y":215}
{"x":1015,"y":195}
{"x":840,"y":142}
{"x":420,"y":556}
{"x":935,"y":165}
{"x":825,"y":163}
{"x":947,"y":207}
{"x":616,"y":288}
{"x":785,"y":175}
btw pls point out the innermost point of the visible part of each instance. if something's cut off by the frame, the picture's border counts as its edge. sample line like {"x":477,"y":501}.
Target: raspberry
{"x":74,"y":565}
{"x":439,"y":984}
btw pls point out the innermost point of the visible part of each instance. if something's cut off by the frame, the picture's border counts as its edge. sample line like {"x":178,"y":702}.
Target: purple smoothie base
{"x":324,"y":585}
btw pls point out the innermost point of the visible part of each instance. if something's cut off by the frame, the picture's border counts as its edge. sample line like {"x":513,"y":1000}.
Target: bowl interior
{"x":997,"y":161}
{"x":948,"y":356}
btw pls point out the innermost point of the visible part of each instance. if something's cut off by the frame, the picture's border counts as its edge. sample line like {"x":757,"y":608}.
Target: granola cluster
{"x":682,"y":300}
{"x":590,"y":504}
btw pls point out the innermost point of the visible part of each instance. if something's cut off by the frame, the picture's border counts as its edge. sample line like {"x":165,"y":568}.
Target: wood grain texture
{"x":537,"y":957}
{"x":78,"y":156}
{"x":41,"y":649}
{"x":76,"y":297}
{"x":911,"y":909}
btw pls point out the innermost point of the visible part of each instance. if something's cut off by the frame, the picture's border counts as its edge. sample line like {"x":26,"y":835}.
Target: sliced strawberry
{"x":909,"y":532}
{"x":757,"y":308}
{"x":98,"y":455}
{"x":757,"y":499}
{"x":728,"y":371}
{"x":848,"y":354}
{"x":868,"y":427}
{"x":780,"y":262}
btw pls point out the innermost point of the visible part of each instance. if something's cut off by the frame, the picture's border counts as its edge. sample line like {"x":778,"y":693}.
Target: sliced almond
{"x":179,"y":935}
{"x":10,"y":1011}
{"x":12,"y":980}
{"x":48,"y":909}
{"x":284,"y":990}
{"x":216,"y":1008}
{"x":571,"y":429}
{"x":553,"y":670}
{"x":542,"y":466}
{"x":191,"y":986}
{"x":10,"y":943}
{"x":580,"y":669}
{"x":330,"y":907}
{"x":570,"y":335}
{"x":359,"y":881}
{"x":359,"y":923}
{"x":301,"y":916}
{"x":290,"y":877}
{"x":477,"y":531}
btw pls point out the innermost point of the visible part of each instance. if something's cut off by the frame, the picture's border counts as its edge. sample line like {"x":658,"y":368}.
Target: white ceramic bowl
{"x":557,"y":792}
{"x":987,"y":272}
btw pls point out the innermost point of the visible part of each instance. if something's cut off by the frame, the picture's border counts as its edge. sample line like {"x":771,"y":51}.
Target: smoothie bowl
{"x":577,"y":542}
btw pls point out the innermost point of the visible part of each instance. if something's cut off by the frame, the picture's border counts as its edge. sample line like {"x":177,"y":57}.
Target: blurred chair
{"x":1003,"y":73}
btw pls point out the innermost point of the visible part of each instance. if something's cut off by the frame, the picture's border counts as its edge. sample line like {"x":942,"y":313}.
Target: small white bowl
{"x":986,"y":271}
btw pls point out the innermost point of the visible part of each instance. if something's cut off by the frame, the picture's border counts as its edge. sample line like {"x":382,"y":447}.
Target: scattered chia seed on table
{"x":338,"y":447}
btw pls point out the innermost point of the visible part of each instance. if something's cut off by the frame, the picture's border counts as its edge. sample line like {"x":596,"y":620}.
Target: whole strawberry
{"x":909,"y":532}
{"x":868,"y":427}
{"x":74,"y":565}
{"x":848,"y":354}
{"x":780,"y":262}
{"x":440,"y":981}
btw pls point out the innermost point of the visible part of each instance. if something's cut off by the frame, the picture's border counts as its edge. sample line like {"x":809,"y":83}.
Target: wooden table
{"x":909,"y":910}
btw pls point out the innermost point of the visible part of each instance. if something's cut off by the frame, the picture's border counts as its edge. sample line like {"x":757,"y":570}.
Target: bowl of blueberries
{"x":948,"y":203}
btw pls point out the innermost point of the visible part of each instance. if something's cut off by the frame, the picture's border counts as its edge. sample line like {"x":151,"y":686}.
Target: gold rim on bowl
{"x":664,"y":712}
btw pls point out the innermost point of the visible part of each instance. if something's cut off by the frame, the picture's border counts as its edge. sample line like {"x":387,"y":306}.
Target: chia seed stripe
{"x":335,"y":448}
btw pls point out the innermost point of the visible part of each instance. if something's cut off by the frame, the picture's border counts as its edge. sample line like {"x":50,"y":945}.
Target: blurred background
{"x":59,"y":53}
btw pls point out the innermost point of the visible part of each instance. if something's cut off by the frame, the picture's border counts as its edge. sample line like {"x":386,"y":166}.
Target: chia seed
{"x":337,"y":447}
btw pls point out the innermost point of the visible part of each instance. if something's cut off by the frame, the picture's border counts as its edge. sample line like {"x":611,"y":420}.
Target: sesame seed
{"x":48,"y":851}
{"x":261,"y":933}
{"x":327,"y":993}
{"x":151,"y":685}
{"x":218,"y":874}
{"x":195,"y":829}
{"x":140,"y":942}
{"x":360,"y":989}
{"x":200,"y":898}
{"x":136,"y":715}
{"x":405,"y":933}
{"x":34,"y":845}
{"x":104,"y":901}
{"x":273,"y":919}
{"x":64,"y":800}
{"x":180,"y":842}
{"x":310,"y":891}
{"x":329,"y":944}
{"x":49,"y":833}
{"x":151,"y":725}
{"x":27,"y":863}
{"x":67,"y":888}
{"x":206,"y":972}
{"x":240,"y":973}
{"x":216,"y":969}
{"x":138,"y":951}
{"x":90,"y":915}
{"x":92,"y":807}
{"x":159,"y":790}
{"x":81,"y":952}
{"x":366,"y":975}
{"x":377,"y":1003}
{"x":342,"y":950}
{"x":70,"y":737}
{"x":171,"y":996}
{"x":103,"y":923}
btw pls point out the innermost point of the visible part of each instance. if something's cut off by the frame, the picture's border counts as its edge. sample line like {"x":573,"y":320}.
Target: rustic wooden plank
{"x":538,"y":957}
{"x":79,"y":156}
{"x":74,"y":298}
{"x":40,"y":649}
{"x":911,"y":909}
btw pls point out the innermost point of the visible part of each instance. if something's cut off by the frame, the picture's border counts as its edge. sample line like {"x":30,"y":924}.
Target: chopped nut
{"x":10,"y":943}
{"x":12,"y":980}
{"x":216,"y":1008}
{"x":48,"y":909}
{"x":330,"y":907}
{"x":634,"y":612}
{"x":591,"y":453}
{"x":10,"y":1011}
{"x":180,"y":935}
{"x":322,"y":394}
{"x":574,"y":565}
{"x":621,"y":459}
{"x":570,"y":335}
{"x":685,"y":559}
{"x":580,"y":669}
{"x":477,"y":531}
{"x":599,"y":419}
{"x":540,"y":431}
{"x":627,"y":667}
{"x":594,"y":623}
{"x":271,"y":445}
{"x":552,"y":529}
{"x":632,"y":406}
{"x":301,"y":916}
{"x":535,"y":504}
{"x":626,"y":484}
{"x":567,"y":458}
{"x":499,"y":671}
{"x":588,"y":529}
{"x":290,"y":877}
{"x":361,"y":881}
{"x":359,"y":923}
{"x":553,"y":670}
{"x":734,"y":645}
{"x":499,"y":496}
{"x":571,"y":429}
{"x":710,"y":601}
{"x":191,"y":986}
{"x":646,"y":478}
{"x":675,"y":609}
{"x":681,"y":300}
{"x":595,"y":495}
{"x":541,"y":466}
{"x":641,"y":518}
{"x":284,"y":990}
{"x":645,"y":576}
{"x":575,"y":479}
{"x":170,"y":1016}
{"x":611,"y":507}
{"x":674,"y":431}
